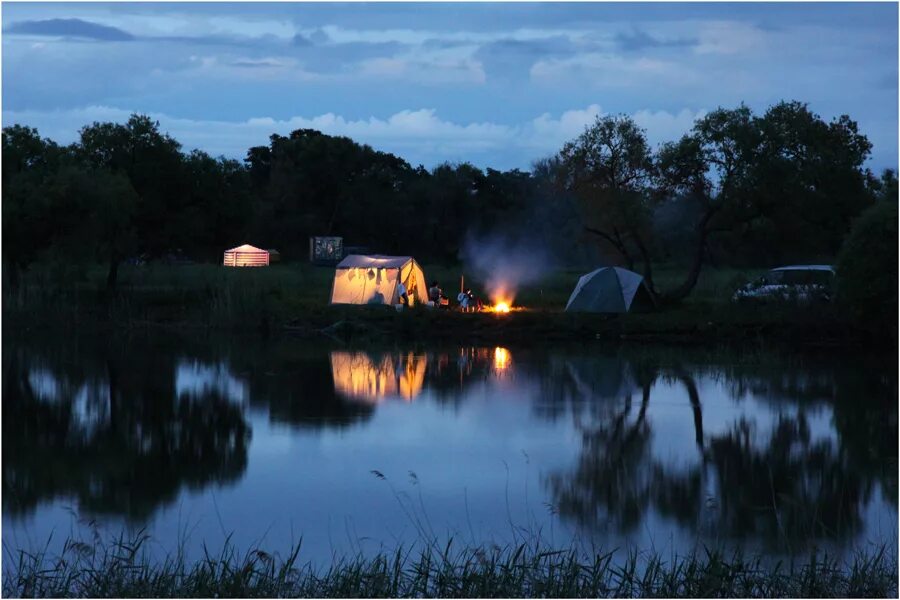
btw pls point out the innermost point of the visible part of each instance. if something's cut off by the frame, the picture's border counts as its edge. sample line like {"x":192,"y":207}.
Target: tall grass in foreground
{"x":121,"y":569}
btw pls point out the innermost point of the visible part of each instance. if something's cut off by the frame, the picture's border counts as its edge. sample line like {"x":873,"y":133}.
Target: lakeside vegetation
{"x":739,"y":189}
{"x":529,"y":570}
{"x":739,"y":193}
{"x":294,"y":299}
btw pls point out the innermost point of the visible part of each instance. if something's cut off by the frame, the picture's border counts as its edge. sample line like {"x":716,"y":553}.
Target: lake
{"x":358,"y":449}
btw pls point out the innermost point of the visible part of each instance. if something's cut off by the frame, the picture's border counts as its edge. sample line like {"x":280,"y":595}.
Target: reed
{"x":121,"y":568}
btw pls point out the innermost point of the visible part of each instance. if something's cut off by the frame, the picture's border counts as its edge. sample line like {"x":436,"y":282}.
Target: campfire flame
{"x":501,"y":295}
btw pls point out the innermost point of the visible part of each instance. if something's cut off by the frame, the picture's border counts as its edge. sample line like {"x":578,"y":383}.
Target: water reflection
{"x":373,"y":378}
{"x":501,"y":359}
{"x":118,"y":436}
{"x":759,"y":475}
{"x":782,"y":455}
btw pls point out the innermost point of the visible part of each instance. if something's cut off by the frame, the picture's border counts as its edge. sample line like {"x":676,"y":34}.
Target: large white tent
{"x":363,"y":279}
{"x":609,"y":290}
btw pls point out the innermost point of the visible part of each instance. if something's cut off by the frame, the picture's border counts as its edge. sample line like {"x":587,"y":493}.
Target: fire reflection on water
{"x":501,"y":358}
{"x":375,"y":377}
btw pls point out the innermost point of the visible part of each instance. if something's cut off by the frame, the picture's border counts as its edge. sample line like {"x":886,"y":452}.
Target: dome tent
{"x":609,"y":290}
{"x":372,"y":279}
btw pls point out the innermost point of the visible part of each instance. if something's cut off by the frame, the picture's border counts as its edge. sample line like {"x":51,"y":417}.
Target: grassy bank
{"x":121,"y":570}
{"x":294,"y":299}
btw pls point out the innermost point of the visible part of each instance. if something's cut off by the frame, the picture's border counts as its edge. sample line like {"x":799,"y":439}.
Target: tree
{"x":712,"y":167}
{"x":809,"y":180}
{"x":88,"y":215}
{"x":218,"y":204}
{"x":28,"y":218}
{"x":788,"y":173}
{"x":867,"y":269}
{"x":153,"y":163}
{"x":884,"y":187}
{"x":113,"y":205}
{"x":310,"y":183}
{"x":609,"y":168}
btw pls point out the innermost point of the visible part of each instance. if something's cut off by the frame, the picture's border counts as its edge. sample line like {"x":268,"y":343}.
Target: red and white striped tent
{"x":246,"y":256}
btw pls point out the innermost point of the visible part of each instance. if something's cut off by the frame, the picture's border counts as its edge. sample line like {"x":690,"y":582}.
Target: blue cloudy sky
{"x":495,"y":84}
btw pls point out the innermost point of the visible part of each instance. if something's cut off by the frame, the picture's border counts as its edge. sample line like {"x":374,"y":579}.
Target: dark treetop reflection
{"x":774,"y":450}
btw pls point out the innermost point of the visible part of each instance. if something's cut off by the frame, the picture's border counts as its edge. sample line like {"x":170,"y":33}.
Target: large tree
{"x":310,"y":183}
{"x":28,"y":219}
{"x":787,"y":177}
{"x":710,"y":167}
{"x":154,"y":165}
{"x":609,"y":168}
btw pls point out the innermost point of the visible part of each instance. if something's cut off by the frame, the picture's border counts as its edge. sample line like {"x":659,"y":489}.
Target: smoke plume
{"x":504,"y":264}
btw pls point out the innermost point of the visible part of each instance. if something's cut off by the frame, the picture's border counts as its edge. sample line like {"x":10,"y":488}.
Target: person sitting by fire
{"x":436,"y":295}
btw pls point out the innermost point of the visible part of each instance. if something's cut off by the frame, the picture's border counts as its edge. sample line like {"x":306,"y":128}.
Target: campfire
{"x":504,"y":264}
{"x":500,"y":307}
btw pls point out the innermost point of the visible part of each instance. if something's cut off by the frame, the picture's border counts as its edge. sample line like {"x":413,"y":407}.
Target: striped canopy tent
{"x":372,"y":279}
{"x":246,"y":256}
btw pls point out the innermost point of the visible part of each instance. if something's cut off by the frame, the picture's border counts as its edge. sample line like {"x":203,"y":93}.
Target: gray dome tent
{"x":609,"y":290}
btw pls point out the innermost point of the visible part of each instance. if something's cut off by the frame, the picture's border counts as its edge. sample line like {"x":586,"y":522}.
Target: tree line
{"x":737,"y":188}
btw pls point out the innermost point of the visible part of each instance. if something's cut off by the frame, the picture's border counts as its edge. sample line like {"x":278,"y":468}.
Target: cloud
{"x":301,"y":40}
{"x":638,"y":40}
{"x":261,"y":63}
{"x":420,"y":136}
{"x":75,"y":28}
{"x":319,"y":37}
{"x":426,"y":70}
{"x":728,"y":37}
{"x":663,"y":126}
{"x":513,"y":58}
{"x":608,"y":70}
{"x":569,"y":125}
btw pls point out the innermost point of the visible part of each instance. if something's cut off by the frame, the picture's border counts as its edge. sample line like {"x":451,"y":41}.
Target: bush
{"x":867,"y":269}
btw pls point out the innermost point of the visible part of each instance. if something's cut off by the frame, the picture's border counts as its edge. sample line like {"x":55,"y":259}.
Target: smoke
{"x":504,"y":263}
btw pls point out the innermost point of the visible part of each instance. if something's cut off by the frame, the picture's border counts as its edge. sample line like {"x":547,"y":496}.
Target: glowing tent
{"x":609,"y":290}
{"x":362,"y":279}
{"x":246,"y":256}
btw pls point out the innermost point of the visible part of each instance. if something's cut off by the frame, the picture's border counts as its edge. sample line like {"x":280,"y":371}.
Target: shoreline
{"x":679,"y":326}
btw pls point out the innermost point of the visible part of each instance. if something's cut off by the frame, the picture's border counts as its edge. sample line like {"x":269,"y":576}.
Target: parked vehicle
{"x":797,"y":283}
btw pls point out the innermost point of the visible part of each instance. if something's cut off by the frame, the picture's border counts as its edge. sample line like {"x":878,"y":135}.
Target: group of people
{"x":466,"y":299}
{"x":469,"y":301}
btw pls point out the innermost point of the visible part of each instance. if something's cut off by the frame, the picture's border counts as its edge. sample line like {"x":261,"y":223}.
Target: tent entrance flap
{"x":364,"y":286}
{"x":363,"y":279}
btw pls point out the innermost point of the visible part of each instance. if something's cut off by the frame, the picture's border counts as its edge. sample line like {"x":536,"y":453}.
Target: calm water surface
{"x":359,"y":449}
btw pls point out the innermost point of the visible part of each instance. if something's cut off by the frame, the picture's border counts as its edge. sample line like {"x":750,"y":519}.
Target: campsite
{"x":469,"y":300}
{"x":294,"y":299}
